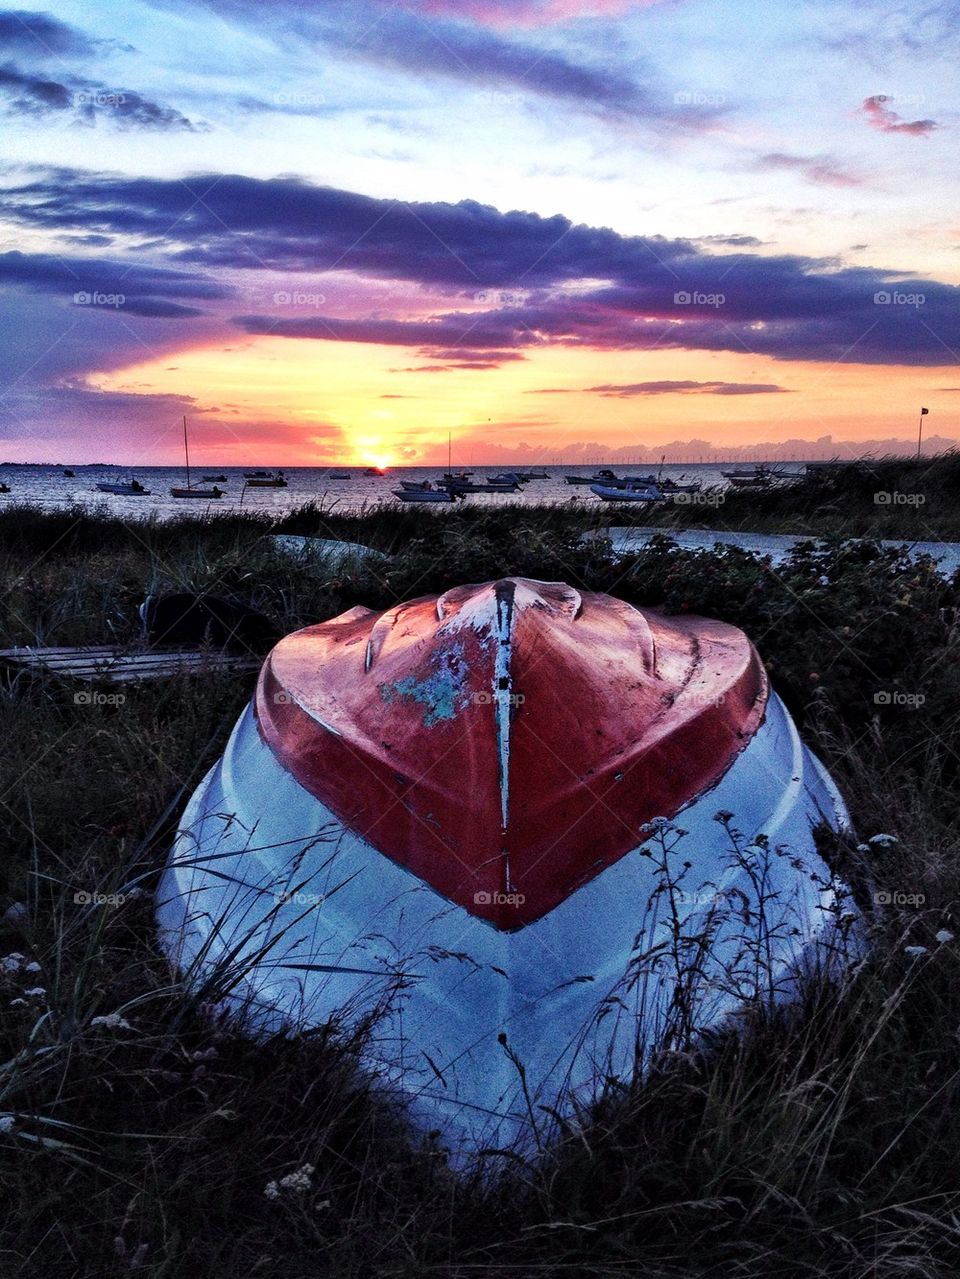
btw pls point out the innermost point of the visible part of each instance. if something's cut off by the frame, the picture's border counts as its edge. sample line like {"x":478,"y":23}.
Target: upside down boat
{"x":460,"y":812}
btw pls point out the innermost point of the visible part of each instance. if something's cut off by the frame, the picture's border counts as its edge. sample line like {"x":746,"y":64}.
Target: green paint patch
{"x":443,"y":692}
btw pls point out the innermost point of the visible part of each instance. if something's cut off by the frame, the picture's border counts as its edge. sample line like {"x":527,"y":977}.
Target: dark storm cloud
{"x":141,"y":285}
{"x":513,"y":280}
{"x":24,"y":93}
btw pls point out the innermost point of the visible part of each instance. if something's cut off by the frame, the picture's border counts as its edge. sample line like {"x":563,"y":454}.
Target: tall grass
{"x":817,"y":1139}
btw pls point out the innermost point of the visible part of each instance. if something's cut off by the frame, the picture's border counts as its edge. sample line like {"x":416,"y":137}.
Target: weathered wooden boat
{"x":629,"y":493}
{"x":123,"y":488}
{"x":492,"y":817}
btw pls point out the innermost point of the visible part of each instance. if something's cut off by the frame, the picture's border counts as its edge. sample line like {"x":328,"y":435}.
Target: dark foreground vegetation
{"x":138,"y":1136}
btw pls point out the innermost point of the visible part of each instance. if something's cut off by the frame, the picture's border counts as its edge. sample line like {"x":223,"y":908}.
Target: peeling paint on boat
{"x":443,"y":692}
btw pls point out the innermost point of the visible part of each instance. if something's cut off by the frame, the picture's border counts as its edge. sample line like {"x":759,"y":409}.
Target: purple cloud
{"x":881,"y":115}
{"x":628,"y":389}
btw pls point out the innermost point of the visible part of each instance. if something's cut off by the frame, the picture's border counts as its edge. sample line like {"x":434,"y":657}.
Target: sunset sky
{"x":337,"y":232}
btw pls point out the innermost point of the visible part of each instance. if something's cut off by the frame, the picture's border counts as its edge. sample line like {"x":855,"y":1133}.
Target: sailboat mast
{"x":186,"y":449}
{"x":449,"y":452}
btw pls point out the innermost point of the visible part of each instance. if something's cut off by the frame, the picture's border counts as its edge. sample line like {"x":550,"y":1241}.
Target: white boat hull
{"x":258,"y":859}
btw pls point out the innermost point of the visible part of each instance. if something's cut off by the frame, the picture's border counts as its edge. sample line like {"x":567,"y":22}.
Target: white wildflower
{"x":18,"y":1003}
{"x":6,"y":1123}
{"x":863,"y":848}
{"x":32,"y":967}
{"x":296,"y":1182}
{"x":15,"y":913}
{"x":944,"y":935}
{"x":915,"y":950}
{"x":35,"y":992}
{"x":11,"y":963}
{"x":883,"y":841}
{"x":110,"y":1021}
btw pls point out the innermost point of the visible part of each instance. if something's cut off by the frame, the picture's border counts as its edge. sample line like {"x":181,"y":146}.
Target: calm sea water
{"x":47,"y":486}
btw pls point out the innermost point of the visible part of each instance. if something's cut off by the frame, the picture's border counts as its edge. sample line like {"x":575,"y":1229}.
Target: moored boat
{"x":629,"y":493}
{"x":196,"y":490}
{"x":426,"y":495}
{"x":485,"y":815}
{"x":123,"y":488}
{"x":215,"y":479}
{"x":277,"y":481}
{"x":189,"y":490}
{"x":604,"y":476}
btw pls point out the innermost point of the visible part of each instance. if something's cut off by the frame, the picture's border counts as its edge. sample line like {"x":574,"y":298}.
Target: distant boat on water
{"x":759,"y":476}
{"x":214,"y":479}
{"x":277,"y":481}
{"x":374,"y":470}
{"x":256,"y":475}
{"x":634,"y":493}
{"x":192,"y":490}
{"x":598,"y":477}
{"x":70,"y":474}
{"x":426,"y":495}
{"x":123,"y":488}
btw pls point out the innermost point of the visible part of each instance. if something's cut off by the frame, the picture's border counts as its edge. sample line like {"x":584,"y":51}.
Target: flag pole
{"x":923,"y":413}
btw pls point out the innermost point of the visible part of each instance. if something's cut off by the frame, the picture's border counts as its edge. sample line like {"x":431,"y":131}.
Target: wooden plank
{"x":117,"y":664}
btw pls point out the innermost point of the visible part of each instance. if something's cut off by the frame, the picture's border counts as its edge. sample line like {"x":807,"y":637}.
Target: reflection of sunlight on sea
{"x":47,"y":486}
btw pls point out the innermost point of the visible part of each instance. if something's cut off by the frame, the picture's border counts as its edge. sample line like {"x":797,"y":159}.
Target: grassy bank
{"x":886,"y":498}
{"x":821,"y":1141}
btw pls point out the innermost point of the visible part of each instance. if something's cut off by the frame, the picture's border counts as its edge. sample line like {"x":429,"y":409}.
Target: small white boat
{"x":127,"y":488}
{"x":457,"y":812}
{"x":424,"y":495}
{"x":636,"y":493}
{"x":416,"y":486}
